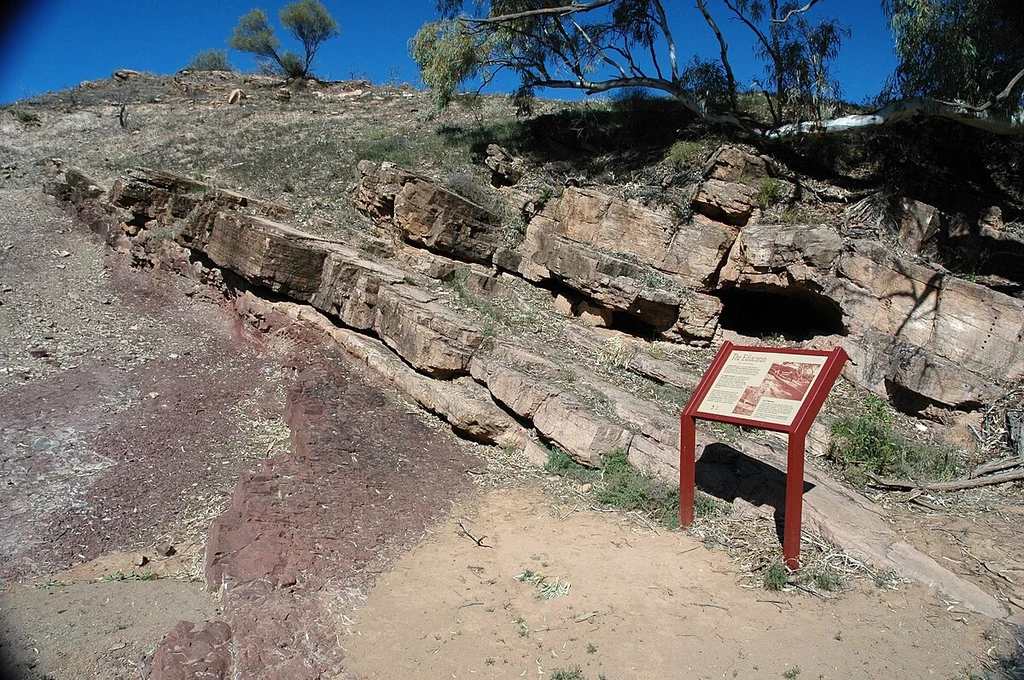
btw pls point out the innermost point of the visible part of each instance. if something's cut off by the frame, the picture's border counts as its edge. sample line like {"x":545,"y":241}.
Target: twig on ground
{"x":469,"y":534}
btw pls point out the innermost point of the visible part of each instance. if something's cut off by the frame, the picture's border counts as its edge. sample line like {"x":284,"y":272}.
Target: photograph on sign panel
{"x":788,"y":380}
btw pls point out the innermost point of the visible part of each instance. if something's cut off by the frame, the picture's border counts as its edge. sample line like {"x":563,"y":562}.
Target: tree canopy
{"x":958,"y":59}
{"x":307,"y":21}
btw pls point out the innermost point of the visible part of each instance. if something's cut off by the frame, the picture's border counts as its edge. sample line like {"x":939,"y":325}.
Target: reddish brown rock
{"x":193,"y":652}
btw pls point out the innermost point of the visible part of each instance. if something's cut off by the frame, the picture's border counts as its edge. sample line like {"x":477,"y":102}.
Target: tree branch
{"x":724,"y":49}
{"x":574,"y":8}
{"x":907,"y":109}
{"x":799,"y":10}
{"x":1009,"y":88}
{"x":663,"y":20}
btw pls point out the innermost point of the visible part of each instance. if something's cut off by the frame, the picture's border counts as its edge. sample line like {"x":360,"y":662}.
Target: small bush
{"x":211,"y":60}
{"x":686,"y":153}
{"x":26,"y":117}
{"x":769,"y":192}
{"x":562,"y":464}
{"x":828,"y":580}
{"x":573,"y":673}
{"x":471,"y":189}
{"x":867,"y":443}
{"x":776,"y":576}
{"x":627,"y":488}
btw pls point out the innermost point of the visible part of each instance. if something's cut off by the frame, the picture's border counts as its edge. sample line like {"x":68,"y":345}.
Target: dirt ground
{"x":132,"y":403}
{"x":639,"y":604}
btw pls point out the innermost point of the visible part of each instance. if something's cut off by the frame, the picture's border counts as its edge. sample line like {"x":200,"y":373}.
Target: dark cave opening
{"x":769,"y":311}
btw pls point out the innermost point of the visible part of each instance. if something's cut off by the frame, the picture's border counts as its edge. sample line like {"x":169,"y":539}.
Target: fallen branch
{"x":969,"y":483}
{"x":997,"y":465}
{"x":469,"y":534}
{"x":976,"y":482}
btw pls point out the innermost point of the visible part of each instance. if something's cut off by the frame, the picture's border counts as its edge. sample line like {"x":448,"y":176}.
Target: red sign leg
{"x":687,"y":469}
{"x":794,"y":501}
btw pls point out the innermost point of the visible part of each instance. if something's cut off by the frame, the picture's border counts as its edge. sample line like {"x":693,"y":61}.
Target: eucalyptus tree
{"x":602,"y":45}
{"x":308,"y":21}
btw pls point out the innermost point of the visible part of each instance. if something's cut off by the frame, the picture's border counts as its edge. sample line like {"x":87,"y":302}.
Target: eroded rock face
{"x":916,"y":332}
{"x":427,"y":214}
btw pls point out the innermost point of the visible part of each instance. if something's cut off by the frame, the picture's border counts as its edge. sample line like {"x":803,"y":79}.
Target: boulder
{"x":434,"y":218}
{"x":377,"y":188}
{"x":917,"y":224}
{"x":506,"y":169}
{"x":971,"y":326}
{"x":603,"y":222}
{"x":349,"y":287}
{"x":731,"y":163}
{"x":729,"y":202}
{"x":276,"y":256}
{"x":782,"y":255}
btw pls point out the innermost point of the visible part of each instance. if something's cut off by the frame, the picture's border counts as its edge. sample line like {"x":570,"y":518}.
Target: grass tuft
{"x":867,"y":444}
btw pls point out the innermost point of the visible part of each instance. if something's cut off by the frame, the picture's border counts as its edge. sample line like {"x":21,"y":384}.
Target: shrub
{"x":867,"y":443}
{"x":776,"y":576}
{"x":769,"y":192}
{"x":211,"y":60}
{"x":685,"y":153}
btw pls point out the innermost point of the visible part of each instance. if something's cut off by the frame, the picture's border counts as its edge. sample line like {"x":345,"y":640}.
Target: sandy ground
{"x":640,"y":604}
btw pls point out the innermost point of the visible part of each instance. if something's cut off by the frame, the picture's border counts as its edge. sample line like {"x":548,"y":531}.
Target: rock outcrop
{"x":912,"y":330}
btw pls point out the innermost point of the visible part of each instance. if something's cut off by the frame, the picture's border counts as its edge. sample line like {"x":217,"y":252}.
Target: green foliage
{"x":210,"y":60}
{"x":828,"y":580}
{"x":571,"y":673}
{"x":769,"y":192}
{"x":306,"y":20}
{"x":685,"y":153}
{"x":254,"y":35}
{"x":708,"y":81}
{"x":956,"y":49}
{"x":448,"y":54}
{"x":797,"y":56}
{"x":867,"y":443}
{"x":776,"y":576}
{"x":627,"y":488}
{"x":26,"y":117}
{"x":562,"y":464}
{"x":792,"y":673}
{"x":621,"y":485}
{"x":131,"y":576}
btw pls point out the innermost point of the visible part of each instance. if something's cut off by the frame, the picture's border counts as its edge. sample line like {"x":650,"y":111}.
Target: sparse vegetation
{"x":866,"y":444}
{"x":571,"y":673}
{"x":769,"y":192}
{"x":626,"y":487}
{"x":211,"y":60}
{"x":25,"y":117}
{"x":776,"y":576}
{"x":130,"y":576}
{"x":619,"y":484}
{"x":685,"y":153}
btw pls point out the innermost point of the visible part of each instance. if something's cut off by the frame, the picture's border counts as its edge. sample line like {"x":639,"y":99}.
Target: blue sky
{"x":56,"y":44}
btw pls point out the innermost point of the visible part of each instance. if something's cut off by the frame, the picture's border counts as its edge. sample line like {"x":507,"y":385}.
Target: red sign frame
{"x":787,"y":399}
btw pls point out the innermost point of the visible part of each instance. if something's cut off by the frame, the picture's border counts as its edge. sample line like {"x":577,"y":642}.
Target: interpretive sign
{"x":761,"y":387}
{"x":769,"y":388}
